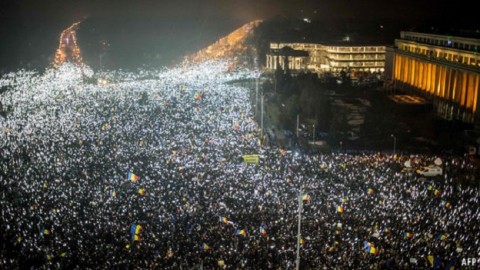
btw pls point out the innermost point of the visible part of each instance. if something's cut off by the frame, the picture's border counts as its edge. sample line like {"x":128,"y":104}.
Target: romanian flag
{"x":133,"y":177}
{"x":370,"y":247}
{"x":448,"y":205}
{"x":370,"y":191}
{"x":224,"y":220}
{"x":302,"y":241}
{"x":263,"y":230}
{"x":339,"y":209}
{"x":306,"y":198}
{"x":241,"y":232}
{"x":205,"y":246}
{"x":197,"y":96}
{"x":407,"y":234}
{"x":46,"y":232}
{"x":442,"y":236}
{"x":136,"y":237}
{"x":141,"y":191}
{"x":437,"y":193}
{"x":434,"y":261}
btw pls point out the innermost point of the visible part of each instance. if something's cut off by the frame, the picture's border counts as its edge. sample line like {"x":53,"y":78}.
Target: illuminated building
{"x":444,"y":68}
{"x":287,"y":58}
{"x":343,"y":56}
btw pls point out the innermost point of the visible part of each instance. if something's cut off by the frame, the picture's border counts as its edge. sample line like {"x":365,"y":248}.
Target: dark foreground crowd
{"x":146,"y":172}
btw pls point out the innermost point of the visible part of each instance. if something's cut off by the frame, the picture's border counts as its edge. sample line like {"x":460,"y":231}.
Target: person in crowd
{"x":144,"y":170}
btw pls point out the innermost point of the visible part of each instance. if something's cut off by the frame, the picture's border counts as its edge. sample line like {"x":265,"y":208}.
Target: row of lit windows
{"x":451,"y":56}
{"x":356,"y":49}
{"x":357,"y":64}
{"x":445,"y":42}
{"x":357,"y":56}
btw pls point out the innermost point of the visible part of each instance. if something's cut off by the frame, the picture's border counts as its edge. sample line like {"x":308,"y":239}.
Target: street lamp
{"x":394,"y":143}
{"x":299,"y":231}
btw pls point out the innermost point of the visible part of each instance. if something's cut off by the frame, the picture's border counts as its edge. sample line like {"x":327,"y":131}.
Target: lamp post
{"x":299,"y":233}
{"x":394,"y":143}
{"x":261,"y":120}
{"x":256,"y":98}
{"x":298,"y":123}
{"x":313,"y":135}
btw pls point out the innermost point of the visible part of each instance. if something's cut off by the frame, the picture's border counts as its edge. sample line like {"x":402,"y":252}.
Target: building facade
{"x":445,"y":68}
{"x":334,"y":58}
{"x":288,"y":58}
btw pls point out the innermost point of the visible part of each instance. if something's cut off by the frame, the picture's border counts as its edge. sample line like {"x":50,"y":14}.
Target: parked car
{"x":430,"y":171}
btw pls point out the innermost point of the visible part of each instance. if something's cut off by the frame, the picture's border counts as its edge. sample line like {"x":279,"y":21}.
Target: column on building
{"x":451,"y":84}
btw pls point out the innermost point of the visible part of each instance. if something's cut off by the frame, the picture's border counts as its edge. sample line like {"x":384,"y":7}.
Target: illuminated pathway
{"x":68,"y":50}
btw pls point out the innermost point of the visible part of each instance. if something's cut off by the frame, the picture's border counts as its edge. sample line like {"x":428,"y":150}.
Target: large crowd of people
{"x":138,"y":170}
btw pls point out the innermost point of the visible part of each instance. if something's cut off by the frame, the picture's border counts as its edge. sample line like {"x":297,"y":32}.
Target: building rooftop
{"x":288,"y":51}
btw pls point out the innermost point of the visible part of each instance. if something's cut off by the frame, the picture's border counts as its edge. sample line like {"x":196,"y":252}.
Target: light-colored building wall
{"x":329,"y":58}
{"x":443,"y":67}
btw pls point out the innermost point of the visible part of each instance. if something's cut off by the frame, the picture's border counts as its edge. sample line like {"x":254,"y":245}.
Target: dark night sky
{"x":30,"y":27}
{"x":243,"y":10}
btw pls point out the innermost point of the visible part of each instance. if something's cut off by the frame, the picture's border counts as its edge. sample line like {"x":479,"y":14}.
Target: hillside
{"x":232,"y":46}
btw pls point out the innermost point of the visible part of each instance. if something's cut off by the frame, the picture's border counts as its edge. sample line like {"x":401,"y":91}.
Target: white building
{"x":332,"y":57}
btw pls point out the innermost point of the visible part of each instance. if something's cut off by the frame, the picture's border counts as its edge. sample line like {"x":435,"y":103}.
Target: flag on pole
{"x":407,"y":234}
{"x":133,"y":177}
{"x":263,"y":230}
{"x":448,"y":205}
{"x":225,"y":220}
{"x":306,"y":198}
{"x":204,"y":246}
{"x":241,"y":232}
{"x":135,"y":230}
{"x":370,"y":247}
{"x":442,"y":236}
